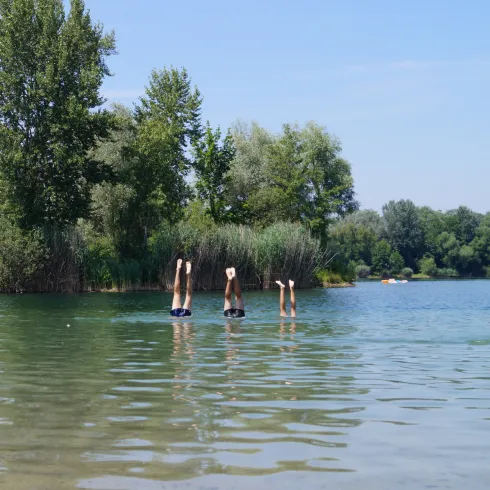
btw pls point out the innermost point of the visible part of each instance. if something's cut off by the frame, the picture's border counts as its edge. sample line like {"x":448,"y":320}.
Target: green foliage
{"x":369,"y":219}
{"x":51,"y":71}
{"x":447,"y":272}
{"x":260,"y":256}
{"x":295,"y":176}
{"x":463,"y":222}
{"x":22,"y":256}
{"x":428,"y":266}
{"x":212,"y":162}
{"x":406,"y":272}
{"x":168,"y":123}
{"x":396,"y":262}
{"x":363,"y":271}
{"x":381,"y":257}
{"x":325,"y":276}
{"x":352,"y":241}
{"x":402,"y":229}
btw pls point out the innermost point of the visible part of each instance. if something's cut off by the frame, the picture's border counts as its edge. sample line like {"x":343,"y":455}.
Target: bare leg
{"x":239,"y":305}
{"x":282,"y":299}
{"x":228,"y":290}
{"x":176,"y":301}
{"x":292,"y":299}
{"x":188,"y":294}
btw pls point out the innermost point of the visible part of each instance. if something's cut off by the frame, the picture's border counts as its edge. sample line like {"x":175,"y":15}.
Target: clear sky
{"x":403,"y":84}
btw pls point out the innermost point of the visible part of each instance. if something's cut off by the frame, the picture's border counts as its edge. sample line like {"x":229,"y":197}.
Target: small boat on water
{"x":394,"y":281}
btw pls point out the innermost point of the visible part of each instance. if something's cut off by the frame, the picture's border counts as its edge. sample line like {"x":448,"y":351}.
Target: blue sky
{"x":403,"y":84}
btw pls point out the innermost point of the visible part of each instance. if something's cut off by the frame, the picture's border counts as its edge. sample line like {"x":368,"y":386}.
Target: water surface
{"x":373,"y":387}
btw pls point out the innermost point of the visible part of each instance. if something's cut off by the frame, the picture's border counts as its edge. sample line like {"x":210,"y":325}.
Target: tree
{"x":396,"y":262}
{"x":448,"y":249}
{"x":481,"y":242}
{"x":51,"y":71}
{"x":403,"y":230}
{"x":114,"y":209}
{"x":211,"y":164}
{"x":381,"y":257}
{"x":367,"y":218}
{"x":168,"y":123}
{"x":297,"y":175}
{"x":432,"y":224}
{"x":463,"y":222}
{"x":355,"y":242}
{"x":245,"y":177}
{"x":428,"y":266}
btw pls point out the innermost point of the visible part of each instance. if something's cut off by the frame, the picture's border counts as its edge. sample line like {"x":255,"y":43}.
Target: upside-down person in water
{"x":228,"y":310}
{"x":282,"y":299}
{"x":177,"y":309}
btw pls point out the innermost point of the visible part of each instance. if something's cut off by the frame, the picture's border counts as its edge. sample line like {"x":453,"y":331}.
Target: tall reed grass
{"x":77,"y":259}
{"x":282,"y":251}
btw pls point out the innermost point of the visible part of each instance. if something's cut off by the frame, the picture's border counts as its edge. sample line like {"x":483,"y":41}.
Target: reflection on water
{"x":372,"y":387}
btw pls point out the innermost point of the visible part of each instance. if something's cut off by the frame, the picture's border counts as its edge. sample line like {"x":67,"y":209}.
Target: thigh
{"x":176,"y":301}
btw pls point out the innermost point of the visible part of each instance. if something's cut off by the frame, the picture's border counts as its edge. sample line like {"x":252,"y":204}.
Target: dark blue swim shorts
{"x":180,"y":312}
{"x":234,"y":313}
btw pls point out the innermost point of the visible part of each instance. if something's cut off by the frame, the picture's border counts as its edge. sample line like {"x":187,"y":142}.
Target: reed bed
{"x":73,"y":260}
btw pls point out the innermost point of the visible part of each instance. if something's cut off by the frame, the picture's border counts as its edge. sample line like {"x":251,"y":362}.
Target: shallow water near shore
{"x":372,"y":387}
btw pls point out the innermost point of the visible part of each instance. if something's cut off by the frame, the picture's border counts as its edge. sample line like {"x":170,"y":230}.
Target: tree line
{"x":99,"y":196}
{"x":404,"y":239}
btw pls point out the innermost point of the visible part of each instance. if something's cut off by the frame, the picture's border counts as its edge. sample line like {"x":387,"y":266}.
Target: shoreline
{"x":329,"y":285}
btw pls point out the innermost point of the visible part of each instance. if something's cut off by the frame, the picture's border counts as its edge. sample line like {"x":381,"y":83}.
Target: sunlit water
{"x":373,"y":387}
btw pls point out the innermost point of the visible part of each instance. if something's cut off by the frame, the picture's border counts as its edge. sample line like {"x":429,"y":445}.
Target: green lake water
{"x":373,"y":387}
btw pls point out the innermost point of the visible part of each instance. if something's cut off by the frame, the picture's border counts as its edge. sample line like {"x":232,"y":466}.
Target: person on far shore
{"x":282,"y":299}
{"x":228,"y":310}
{"x":177,"y":309}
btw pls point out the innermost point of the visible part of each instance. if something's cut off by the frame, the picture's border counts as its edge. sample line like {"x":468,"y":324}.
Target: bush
{"x":447,"y":273}
{"x":363,"y":271}
{"x":396,"y":262}
{"x":428,"y":266}
{"x":22,"y":257}
{"x":407,"y":272}
{"x":330,"y":277}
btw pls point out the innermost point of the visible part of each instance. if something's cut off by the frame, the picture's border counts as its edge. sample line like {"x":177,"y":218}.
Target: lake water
{"x":373,"y":387}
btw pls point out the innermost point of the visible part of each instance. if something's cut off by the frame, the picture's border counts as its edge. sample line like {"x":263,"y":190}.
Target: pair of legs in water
{"x":177,"y":309}
{"x":282,"y":299}
{"x":232,"y":283}
{"x":181,"y":311}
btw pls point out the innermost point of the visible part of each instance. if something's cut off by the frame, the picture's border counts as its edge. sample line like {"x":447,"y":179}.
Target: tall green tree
{"x":402,"y":229}
{"x":463,"y":222}
{"x":353,"y":242}
{"x":212,"y":160}
{"x":115,"y":207}
{"x":168,"y":122}
{"x":382,"y":257}
{"x":51,"y":70}
{"x":297,"y":175}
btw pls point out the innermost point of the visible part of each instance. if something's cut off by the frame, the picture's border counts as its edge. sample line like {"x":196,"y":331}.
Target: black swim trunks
{"x":234,"y":313}
{"x":180,"y":312}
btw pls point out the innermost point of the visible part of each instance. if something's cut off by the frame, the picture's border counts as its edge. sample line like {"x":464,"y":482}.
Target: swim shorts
{"x":234,"y":313}
{"x":180,"y":312}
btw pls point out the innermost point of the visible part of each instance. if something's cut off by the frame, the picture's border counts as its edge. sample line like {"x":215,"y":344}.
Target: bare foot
{"x":280,"y":284}
{"x":179,"y":263}
{"x":188,"y":267}
{"x":233,"y":272}
{"x":229,"y":274}
{"x":291,"y":284}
